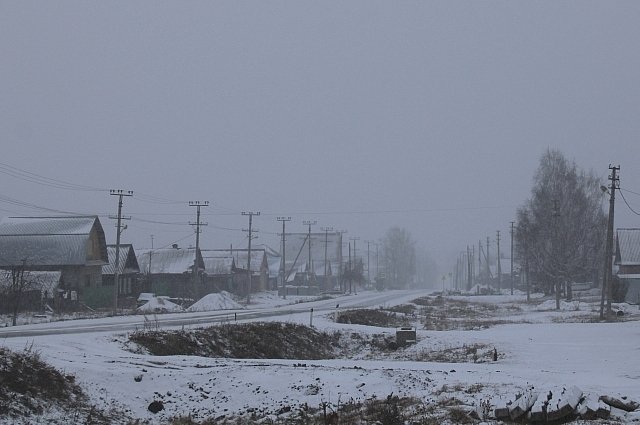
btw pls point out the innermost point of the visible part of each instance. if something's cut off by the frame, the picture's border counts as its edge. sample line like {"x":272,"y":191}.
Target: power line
{"x":29,"y":205}
{"x":28,"y":176}
{"x":628,"y":206}
{"x":414,"y":210}
{"x":630,"y":191}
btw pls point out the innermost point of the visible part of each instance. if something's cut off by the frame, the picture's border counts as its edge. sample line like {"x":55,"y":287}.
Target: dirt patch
{"x":32,"y":387}
{"x":379,"y":318}
{"x":262,"y":340}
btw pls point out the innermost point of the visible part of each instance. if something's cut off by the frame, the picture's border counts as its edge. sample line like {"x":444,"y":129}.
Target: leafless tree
{"x":16,"y":282}
{"x":561,"y":228}
{"x":399,"y":257}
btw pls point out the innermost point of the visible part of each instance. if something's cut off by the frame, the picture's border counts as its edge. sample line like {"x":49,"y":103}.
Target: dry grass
{"x":260,"y":340}
{"x":367,"y":317}
{"x":29,"y":387}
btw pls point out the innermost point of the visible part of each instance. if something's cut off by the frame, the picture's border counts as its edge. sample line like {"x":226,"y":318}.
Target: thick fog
{"x":360,"y":115}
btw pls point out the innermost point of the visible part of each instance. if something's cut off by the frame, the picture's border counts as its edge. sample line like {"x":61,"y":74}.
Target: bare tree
{"x":561,"y":227}
{"x":399,"y":257}
{"x":15,"y":284}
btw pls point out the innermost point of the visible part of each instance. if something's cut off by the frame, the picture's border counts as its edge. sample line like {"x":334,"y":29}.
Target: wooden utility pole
{"x":326,"y":244}
{"x":309,"y":223}
{"x":469,"y":272}
{"x":607,"y":278}
{"x":119,"y":229}
{"x":499,"y":270}
{"x":479,"y":260}
{"x":198,"y":223}
{"x":368,"y":274}
{"x":283,"y":263}
{"x":355,"y":258}
{"x":350,"y":277}
{"x":250,"y":230}
{"x":554,"y":247}
{"x":487,"y":261}
{"x":512,"y":224}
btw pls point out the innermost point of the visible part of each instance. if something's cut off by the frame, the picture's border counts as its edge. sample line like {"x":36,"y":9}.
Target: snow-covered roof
{"x":49,"y":242}
{"x":218,"y":265}
{"x":628,"y":247}
{"x":168,"y":261}
{"x":240,"y":256}
{"x":128,"y":261}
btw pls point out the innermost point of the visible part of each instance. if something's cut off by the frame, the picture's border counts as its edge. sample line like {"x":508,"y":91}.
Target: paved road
{"x":130,"y":323}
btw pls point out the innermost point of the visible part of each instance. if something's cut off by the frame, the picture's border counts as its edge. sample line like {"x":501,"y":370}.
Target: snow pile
{"x":217,"y":301}
{"x":160,"y":305}
{"x":564,"y":305}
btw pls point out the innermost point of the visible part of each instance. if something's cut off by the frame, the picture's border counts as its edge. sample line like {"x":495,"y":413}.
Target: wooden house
{"x":170,"y":271}
{"x":240,"y":278}
{"x":128,"y":270}
{"x":218,"y":273}
{"x":627,"y":260}
{"x":73,"y":246}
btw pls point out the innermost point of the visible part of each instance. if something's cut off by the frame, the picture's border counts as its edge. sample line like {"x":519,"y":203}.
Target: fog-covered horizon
{"x":430,"y":116}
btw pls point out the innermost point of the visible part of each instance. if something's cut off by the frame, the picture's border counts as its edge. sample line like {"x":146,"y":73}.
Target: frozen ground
{"x":536,"y":346}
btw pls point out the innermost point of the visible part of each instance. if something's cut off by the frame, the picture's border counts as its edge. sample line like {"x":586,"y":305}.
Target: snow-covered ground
{"x":537,"y":347}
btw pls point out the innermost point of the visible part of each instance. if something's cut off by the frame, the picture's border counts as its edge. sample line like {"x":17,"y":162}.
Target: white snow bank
{"x":217,"y":301}
{"x":564,"y":305}
{"x":160,"y":305}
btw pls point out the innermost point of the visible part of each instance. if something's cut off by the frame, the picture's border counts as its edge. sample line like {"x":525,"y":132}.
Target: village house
{"x":128,"y":270}
{"x":627,"y":260}
{"x":313,"y":262}
{"x":219,"y":273}
{"x":74,"y":247}
{"x":240,"y":278}
{"x":170,"y":271}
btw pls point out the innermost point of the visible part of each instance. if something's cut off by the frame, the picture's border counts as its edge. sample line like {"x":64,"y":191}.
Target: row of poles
{"x":198,"y":224}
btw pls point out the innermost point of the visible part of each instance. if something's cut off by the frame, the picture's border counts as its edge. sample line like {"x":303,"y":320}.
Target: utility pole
{"x":355,"y":258}
{"x":368,"y":262}
{"x":479,"y":260}
{"x":469,"y":272}
{"x":607,"y":278}
{"x":326,"y":243}
{"x":283,"y":264}
{"x":198,"y":223}
{"x":350,"y":277}
{"x":250,"y":214}
{"x":473,"y":264}
{"x":377,"y":269}
{"x":487,"y":261}
{"x":119,"y":229}
{"x":309,"y":223}
{"x":343,"y":287}
{"x":498,"y":264}
{"x":554,"y":247}
{"x":512,"y":224}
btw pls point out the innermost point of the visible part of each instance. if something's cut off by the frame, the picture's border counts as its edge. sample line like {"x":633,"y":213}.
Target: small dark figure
{"x":495,"y":355}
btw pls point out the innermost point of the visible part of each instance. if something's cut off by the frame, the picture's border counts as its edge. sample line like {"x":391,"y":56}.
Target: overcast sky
{"x":362,"y":115}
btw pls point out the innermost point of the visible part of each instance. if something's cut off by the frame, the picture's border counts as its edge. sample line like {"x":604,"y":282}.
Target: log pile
{"x":558,"y":405}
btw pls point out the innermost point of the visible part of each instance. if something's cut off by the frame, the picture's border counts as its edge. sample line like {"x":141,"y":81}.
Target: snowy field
{"x":536,"y":346}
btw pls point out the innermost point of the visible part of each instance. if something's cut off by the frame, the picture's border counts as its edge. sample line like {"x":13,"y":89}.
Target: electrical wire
{"x":630,"y":191}
{"x":29,"y":205}
{"x":399,"y":211}
{"x":28,"y":176}
{"x":628,"y":206}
